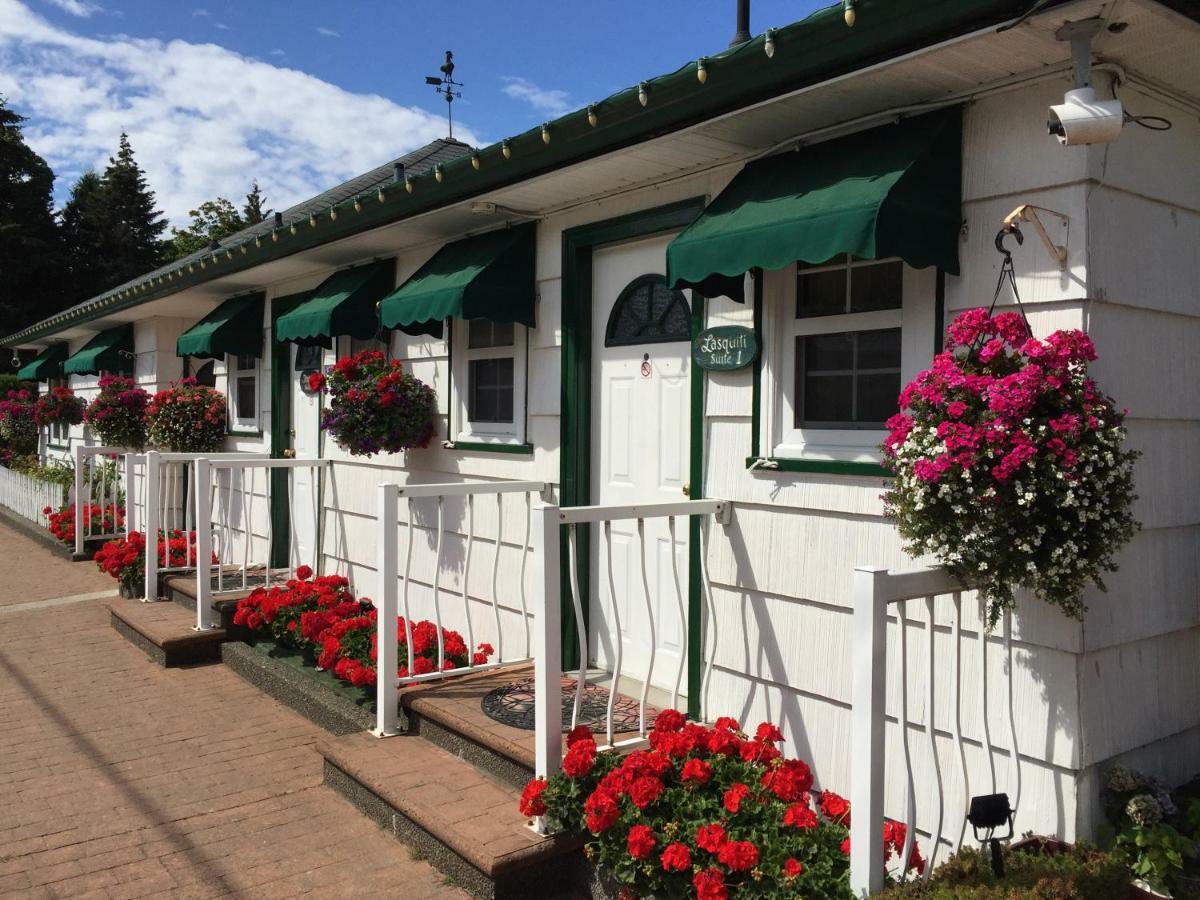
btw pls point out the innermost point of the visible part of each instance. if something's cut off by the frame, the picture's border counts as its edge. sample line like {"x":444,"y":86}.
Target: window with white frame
{"x":242,"y":379}
{"x":845,"y":333}
{"x":489,"y":380}
{"x":358,"y":345}
{"x":58,"y":433}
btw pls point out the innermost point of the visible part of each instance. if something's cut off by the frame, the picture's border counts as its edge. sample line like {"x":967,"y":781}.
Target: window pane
{"x":877,"y":397}
{"x":821,"y":294}
{"x":876,"y":287}
{"x":828,"y":352}
{"x":308,"y":357}
{"x":245,"y":362}
{"x":244,"y":408}
{"x":482,"y":333}
{"x":490,"y":392}
{"x":827,"y":398}
{"x":879,"y":349}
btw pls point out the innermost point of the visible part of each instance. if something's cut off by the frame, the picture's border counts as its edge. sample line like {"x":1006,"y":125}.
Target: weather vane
{"x":446,"y":85}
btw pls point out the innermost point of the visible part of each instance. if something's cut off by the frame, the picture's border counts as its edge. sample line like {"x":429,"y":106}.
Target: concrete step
{"x":464,"y":823}
{"x":165,"y":632}
{"x":181,"y":589}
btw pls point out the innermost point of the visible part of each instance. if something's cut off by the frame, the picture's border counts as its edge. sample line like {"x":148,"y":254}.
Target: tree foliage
{"x":30,"y":243}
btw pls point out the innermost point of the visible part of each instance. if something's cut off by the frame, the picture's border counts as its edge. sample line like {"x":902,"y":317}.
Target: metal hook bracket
{"x":1027,"y":212}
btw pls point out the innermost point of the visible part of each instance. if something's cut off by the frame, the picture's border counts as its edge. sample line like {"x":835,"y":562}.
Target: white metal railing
{"x":229,"y":508}
{"x":27,"y":497}
{"x":390,"y":598}
{"x":548,"y":673}
{"x":159,"y":499}
{"x":882,"y":596}
{"x":91,"y":472}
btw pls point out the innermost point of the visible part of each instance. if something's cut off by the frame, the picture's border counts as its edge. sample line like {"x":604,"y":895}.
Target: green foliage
{"x":1158,"y":832}
{"x":31,"y":251}
{"x":252,"y":210}
{"x":111,"y":226}
{"x":10,"y":382}
{"x":59,"y":471}
{"x":213,"y":220}
{"x":1080,"y":873}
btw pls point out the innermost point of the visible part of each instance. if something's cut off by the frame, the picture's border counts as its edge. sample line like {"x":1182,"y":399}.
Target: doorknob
{"x":289,"y":453}
{"x":687,"y":490}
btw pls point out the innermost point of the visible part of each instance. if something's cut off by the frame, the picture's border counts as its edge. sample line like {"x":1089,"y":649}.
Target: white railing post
{"x":547,"y":665}
{"x":387,"y":662}
{"x":153,"y":486}
{"x":866,"y":733}
{"x":78,"y":508}
{"x":203,"y":544}
{"x":130,"y":499}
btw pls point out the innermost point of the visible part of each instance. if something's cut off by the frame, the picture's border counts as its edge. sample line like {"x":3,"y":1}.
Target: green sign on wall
{"x":725,"y":348}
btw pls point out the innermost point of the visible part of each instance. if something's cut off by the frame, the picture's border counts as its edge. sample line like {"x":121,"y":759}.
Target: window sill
{"x":770,"y":464}
{"x":489,"y":447}
{"x":244,"y":434}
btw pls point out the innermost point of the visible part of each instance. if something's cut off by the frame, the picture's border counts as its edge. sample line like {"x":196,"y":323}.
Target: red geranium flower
{"x":835,"y":808}
{"x":532,"y":803}
{"x":579,"y":759}
{"x":710,"y":885}
{"x":645,"y":791}
{"x":696,"y":771}
{"x":792,"y":868}
{"x":641,"y":841}
{"x":676,"y":858}
{"x":602,"y":811}
{"x":740,"y":856}
{"x":304,"y":573}
{"x":734,"y":796}
{"x":798,"y":815}
{"x":711,"y":838}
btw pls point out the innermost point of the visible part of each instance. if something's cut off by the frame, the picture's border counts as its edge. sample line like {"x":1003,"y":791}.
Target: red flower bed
{"x":705,"y":812}
{"x":125,"y":558}
{"x":108,"y":520}
{"x":322,"y":615}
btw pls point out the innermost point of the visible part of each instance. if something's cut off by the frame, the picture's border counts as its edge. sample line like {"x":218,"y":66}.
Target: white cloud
{"x":82,"y":8}
{"x":328,"y":32}
{"x":204,"y":121}
{"x":199,"y":12}
{"x":278,"y":52}
{"x":543,"y":100}
{"x":221,"y":26}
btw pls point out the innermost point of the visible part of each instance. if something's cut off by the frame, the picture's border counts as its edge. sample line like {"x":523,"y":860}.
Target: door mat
{"x":512,"y":704}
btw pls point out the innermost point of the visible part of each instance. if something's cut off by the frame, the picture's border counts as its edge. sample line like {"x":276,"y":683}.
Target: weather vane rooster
{"x":446,"y":86}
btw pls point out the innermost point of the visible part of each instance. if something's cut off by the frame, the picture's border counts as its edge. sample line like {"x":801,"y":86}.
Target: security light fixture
{"x":987,"y":813}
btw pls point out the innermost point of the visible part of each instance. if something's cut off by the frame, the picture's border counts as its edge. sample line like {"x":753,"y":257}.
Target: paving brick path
{"x":122,"y":779}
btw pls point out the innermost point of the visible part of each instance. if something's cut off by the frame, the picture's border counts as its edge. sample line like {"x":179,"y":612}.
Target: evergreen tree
{"x":132,"y":237}
{"x":253,"y":212}
{"x":30,"y":249}
{"x":214,"y":220}
{"x":83,"y":225}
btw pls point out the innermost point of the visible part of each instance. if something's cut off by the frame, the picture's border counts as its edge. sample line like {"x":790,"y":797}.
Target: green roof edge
{"x":807,"y":52}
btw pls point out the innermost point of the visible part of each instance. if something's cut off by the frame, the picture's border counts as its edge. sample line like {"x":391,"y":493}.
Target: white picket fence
{"x":27,"y":497}
{"x":96,"y":485}
{"x":884,"y":598}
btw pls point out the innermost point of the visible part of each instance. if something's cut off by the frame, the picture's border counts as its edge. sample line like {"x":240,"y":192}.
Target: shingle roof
{"x":423,"y":160}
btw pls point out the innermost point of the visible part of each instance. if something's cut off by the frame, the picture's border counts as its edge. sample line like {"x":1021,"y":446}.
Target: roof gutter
{"x":804,"y":54}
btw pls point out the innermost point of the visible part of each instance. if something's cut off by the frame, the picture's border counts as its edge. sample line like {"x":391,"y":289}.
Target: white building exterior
{"x":1121,"y":686}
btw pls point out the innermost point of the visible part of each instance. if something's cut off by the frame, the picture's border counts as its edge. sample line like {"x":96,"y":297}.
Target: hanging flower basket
{"x":1010,"y":464}
{"x":187,"y":417}
{"x":375,"y":406}
{"x":118,"y":414}
{"x":18,"y":429}
{"x":59,"y":406}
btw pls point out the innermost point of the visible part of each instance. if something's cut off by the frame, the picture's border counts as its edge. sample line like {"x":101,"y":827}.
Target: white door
{"x":305,"y":437}
{"x":640,"y":447}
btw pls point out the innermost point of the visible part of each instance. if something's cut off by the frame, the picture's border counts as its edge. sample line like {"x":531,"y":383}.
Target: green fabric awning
{"x":234,"y":327}
{"x":344,"y":303}
{"x":109,"y":351}
{"x":47,"y":365}
{"x":489,"y":276}
{"x":889,"y":191}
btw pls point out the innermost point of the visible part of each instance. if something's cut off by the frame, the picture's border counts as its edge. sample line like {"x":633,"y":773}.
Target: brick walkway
{"x":45,"y":575}
{"x":121,"y":779}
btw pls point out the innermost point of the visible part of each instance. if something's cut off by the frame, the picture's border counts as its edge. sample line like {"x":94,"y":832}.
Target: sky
{"x":304,"y":94}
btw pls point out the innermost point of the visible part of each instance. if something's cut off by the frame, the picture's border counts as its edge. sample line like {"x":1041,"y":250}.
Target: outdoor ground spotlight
{"x":987,"y":813}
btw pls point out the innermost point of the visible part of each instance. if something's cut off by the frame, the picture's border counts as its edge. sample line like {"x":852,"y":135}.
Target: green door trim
{"x":281,"y":423}
{"x":578,"y":245}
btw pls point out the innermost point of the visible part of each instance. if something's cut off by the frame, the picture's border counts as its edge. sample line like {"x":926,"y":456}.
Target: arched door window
{"x":648,"y":312}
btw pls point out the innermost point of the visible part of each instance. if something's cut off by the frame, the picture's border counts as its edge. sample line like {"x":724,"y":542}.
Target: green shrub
{"x":1080,"y":873}
{"x":10,"y":382}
